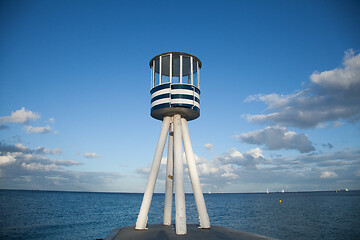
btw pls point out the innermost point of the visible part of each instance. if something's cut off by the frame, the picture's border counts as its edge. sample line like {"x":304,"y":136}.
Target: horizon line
{"x":79,"y":191}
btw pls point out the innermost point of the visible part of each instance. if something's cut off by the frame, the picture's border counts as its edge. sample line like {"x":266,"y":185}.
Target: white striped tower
{"x":175,"y":100}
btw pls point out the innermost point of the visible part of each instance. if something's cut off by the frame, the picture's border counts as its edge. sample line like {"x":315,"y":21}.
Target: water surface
{"x":76,"y":215}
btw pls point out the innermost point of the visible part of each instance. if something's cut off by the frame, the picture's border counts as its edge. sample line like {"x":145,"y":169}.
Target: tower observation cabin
{"x":175,"y":85}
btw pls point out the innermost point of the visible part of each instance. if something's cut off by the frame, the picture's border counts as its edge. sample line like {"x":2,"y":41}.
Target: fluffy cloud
{"x":208,"y":146}
{"x":334,"y":95}
{"x":30,"y":129}
{"x":39,"y":166}
{"x":347,"y":78}
{"x":5,"y":160}
{"x":91,"y":155}
{"x":25,"y":150}
{"x":229,"y":175}
{"x":328,"y":174}
{"x":30,"y":158}
{"x":250,"y":159}
{"x":22,"y":116}
{"x":251,"y":171}
{"x":278,"y":138}
{"x":25,"y":168}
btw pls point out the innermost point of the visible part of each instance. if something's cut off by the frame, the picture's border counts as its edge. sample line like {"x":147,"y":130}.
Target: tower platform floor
{"x":161,"y":232}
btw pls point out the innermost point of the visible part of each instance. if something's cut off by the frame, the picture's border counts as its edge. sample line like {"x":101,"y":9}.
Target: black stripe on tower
{"x":160,"y":87}
{"x":184,"y":96}
{"x":163,"y":105}
{"x":161,"y":96}
{"x":185,"y":86}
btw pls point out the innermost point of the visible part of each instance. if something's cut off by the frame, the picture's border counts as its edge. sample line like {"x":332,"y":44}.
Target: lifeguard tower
{"x":175,"y":100}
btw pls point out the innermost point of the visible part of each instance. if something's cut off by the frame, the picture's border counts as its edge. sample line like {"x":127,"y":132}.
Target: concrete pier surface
{"x":161,"y":232}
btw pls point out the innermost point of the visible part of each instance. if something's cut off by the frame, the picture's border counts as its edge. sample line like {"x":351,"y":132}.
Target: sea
{"x":86,"y":215}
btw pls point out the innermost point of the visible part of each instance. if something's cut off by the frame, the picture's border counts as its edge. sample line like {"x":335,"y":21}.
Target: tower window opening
{"x":157,"y":75}
{"x":165,"y":69}
{"x":175,"y":68}
{"x":195,"y":73}
{"x":186,"y":71}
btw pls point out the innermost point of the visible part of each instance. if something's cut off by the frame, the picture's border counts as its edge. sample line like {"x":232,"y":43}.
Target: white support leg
{"x":194,"y":177}
{"x":169,"y":178}
{"x":144,"y":210}
{"x":180,"y":218}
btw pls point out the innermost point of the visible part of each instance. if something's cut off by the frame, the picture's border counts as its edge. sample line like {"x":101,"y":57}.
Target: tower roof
{"x":175,"y":53}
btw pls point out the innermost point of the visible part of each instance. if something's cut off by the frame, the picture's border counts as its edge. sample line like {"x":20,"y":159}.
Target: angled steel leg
{"x":194,"y":177}
{"x":169,"y":178}
{"x":149,"y":190}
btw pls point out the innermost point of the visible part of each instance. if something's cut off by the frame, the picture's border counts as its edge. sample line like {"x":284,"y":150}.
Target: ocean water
{"x":78,"y":215}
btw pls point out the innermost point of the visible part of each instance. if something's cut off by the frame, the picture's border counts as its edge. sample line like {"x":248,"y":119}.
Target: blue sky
{"x":280,"y":87}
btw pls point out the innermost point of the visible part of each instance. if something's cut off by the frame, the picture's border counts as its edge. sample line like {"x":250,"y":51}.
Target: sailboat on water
{"x":267,"y":191}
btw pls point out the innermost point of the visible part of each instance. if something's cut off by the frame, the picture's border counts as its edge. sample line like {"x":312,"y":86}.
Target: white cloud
{"x":20,"y":116}
{"x":333,"y":96}
{"x":347,"y":78}
{"x":25,"y":168}
{"x":208,"y":146}
{"x":6,"y":160}
{"x":39,"y":166}
{"x":56,"y":178}
{"x":91,"y":155}
{"x":328,"y":174}
{"x":229,"y":175}
{"x":207,"y":168}
{"x":235,"y":171}
{"x":20,"y":148}
{"x":42,"y":130}
{"x":56,"y":151}
{"x":278,"y":138}
{"x":249,"y":159}
{"x":337,"y":124}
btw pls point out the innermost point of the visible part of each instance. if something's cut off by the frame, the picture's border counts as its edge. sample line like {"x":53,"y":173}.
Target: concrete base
{"x":159,"y":232}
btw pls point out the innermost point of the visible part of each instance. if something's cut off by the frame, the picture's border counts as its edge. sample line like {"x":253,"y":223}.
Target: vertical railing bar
{"x":160,"y":62}
{"x":181,"y":68}
{"x":191,"y":70}
{"x":198,"y":74}
{"x":170,"y":73}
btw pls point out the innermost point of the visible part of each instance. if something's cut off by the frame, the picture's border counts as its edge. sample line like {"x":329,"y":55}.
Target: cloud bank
{"x":278,"y":138}
{"x":22,"y":167}
{"x":333,"y":96}
{"x":235,"y":171}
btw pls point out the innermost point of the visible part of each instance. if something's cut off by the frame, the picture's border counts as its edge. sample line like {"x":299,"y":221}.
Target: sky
{"x":280,"y":93}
